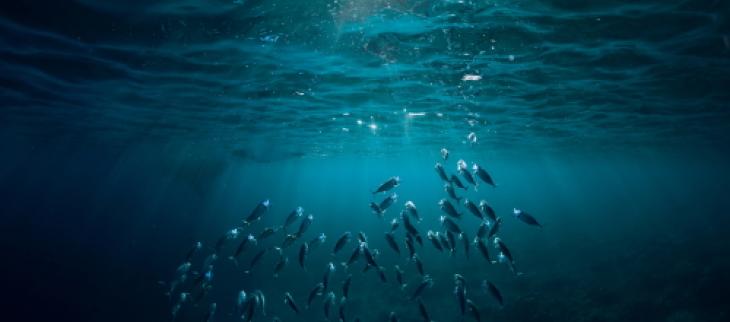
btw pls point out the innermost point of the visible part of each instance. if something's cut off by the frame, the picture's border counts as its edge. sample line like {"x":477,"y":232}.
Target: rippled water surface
{"x":335,"y":74}
{"x":130,"y":129}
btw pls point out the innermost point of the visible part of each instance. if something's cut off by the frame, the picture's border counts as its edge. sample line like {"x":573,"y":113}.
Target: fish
{"x":394,"y":224}
{"x":399,"y":277}
{"x":303,"y":251}
{"x":204,"y":278}
{"x":250,"y":308}
{"x":411,"y":209}
{"x":449,"y":208}
{"x":455,"y":180}
{"x":426,"y":282}
{"x":387,"y":202}
{"x":184,"y":297}
{"x":464,"y":171}
{"x":433,"y":237}
{"x":459,"y":279}
{"x":410,"y":228}
{"x":316,"y":291}
{"x":261,"y":300}
{"x":355,"y":256}
{"x":341,"y":310}
{"x":283,"y":261}
{"x":209,"y":260}
{"x":362,"y":237}
{"x":465,"y":240}
{"x":450,"y":225}
{"x":452,"y":241}
{"x":369,"y":257}
{"x":381,"y":274}
{"x":460,"y":292}
{"x":409,"y":246}
{"x":419,"y":264}
{"x":488,"y":210}
{"x":229,"y":235}
{"x":316,"y":241}
{"x":526,"y":218}
{"x":505,"y":256}
{"x":255,"y":260}
{"x":491,"y":289}
{"x":495,"y":227}
{"x":483,"y":175}
{"x":250,"y":240}
{"x":329,"y":300}
{"x":422,"y":310}
{"x":391,"y":183}
{"x":346,"y":285}
{"x":445,"y":242}
{"x":474,"y":310}
{"x":193,"y":251}
{"x":391,"y":242}
{"x":289,"y":240}
{"x":341,"y":242}
{"x":267,"y":232}
{"x":376,"y":209}
{"x":257,"y":212}
{"x":392,"y":317}
{"x":327,"y":273}
{"x":203,"y":293}
{"x":304,"y":225}
{"x":441,"y":172}
{"x":241,"y":300}
{"x":449,"y":188}
{"x":483,"y":249}
{"x":472,"y":207}
{"x":444,"y":154}
{"x":483,"y":229}
{"x":419,"y":240}
{"x":292,"y":217}
{"x":289,"y":300}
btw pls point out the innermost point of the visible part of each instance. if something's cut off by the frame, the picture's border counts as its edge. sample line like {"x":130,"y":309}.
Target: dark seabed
{"x":130,"y":130}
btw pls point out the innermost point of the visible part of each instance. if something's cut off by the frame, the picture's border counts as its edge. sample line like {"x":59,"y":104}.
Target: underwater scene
{"x":365,"y":160}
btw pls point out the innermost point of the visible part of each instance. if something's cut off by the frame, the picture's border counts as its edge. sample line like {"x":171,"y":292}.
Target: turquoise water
{"x":130,"y":130}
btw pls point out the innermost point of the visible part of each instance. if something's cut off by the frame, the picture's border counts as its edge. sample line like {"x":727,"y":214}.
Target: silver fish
{"x":488,"y":210}
{"x":289,"y":300}
{"x":449,"y":208}
{"x":450,"y":225}
{"x":490,"y":288}
{"x":391,"y":242}
{"x":482,"y":174}
{"x":391,"y":183}
{"x":341,"y":242}
{"x":449,"y":188}
{"x":472,"y":207}
{"x":292,"y":217}
{"x":411,"y":209}
{"x":434,"y":238}
{"x":426,"y":282}
{"x":526,"y":218}
{"x":316,"y":291}
{"x":257,"y":212}
{"x":441,"y":172}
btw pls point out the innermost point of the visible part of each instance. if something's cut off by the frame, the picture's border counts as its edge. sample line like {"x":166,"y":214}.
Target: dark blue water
{"x":130,"y":130}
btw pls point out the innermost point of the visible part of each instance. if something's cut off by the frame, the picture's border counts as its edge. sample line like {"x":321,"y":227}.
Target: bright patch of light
{"x":373,"y":126}
{"x":470,"y":77}
{"x":414,"y":114}
{"x":359,"y":122}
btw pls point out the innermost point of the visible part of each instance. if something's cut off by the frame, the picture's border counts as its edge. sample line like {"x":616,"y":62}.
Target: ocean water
{"x":131,"y":130}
